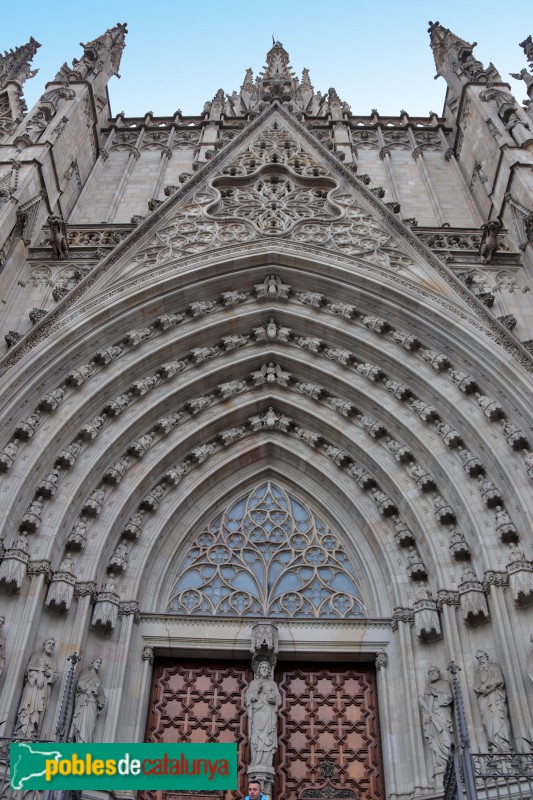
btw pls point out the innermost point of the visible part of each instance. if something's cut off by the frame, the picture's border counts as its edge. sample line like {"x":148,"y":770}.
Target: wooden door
{"x":328,"y":716}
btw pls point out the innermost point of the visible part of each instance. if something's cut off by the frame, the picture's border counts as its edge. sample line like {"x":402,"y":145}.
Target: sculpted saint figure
{"x":436,"y":705}
{"x":262,"y":703}
{"x":90,"y":700}
{"x":489,"y":686}
{"x":41,"y":674}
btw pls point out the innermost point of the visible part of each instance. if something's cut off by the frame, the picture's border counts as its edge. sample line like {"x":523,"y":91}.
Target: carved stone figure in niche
{"x":270,"y":420}
{"x":58,"y":237}
{"x":262,"y":703}
{"x":48,"y":486}
{"x":2,"y":646}
{"x":67,"y":457}
{"x":489,"y":686}
{"x":93,"y":505}
{"x":7,"y":455}
{"x":31,"y":521}
{"x":436,"y":705}
{"x":90,"y":700}
{"x":41,"y":674}
{"x":272,"y":332}
{"x":119,"y":559}
{"x":52,"y":400}
{"x":272,"y":287}
{"x":78,"y":535}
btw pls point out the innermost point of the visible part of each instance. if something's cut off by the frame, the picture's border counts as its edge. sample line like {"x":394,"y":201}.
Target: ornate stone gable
{"x":273,"y":181}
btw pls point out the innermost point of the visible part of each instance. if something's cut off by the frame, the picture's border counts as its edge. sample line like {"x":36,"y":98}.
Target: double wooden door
{"x":328,"y":728}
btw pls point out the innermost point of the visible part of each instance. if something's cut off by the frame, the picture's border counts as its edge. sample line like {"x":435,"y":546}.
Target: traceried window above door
{"x":267,"y":554}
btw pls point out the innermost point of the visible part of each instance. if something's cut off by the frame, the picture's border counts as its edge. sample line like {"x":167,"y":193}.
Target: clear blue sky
{"x":375,"y":53}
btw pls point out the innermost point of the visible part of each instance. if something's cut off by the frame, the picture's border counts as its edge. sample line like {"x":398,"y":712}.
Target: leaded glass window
{"x":267,"y":555}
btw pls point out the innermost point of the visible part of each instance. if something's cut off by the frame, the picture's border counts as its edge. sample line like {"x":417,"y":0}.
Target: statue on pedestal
{"x":489,"y":686}
{"x":41,"y":674}
{"x":262,"y":702}
{"x":436,"y":705}
{"x":90,"y":700}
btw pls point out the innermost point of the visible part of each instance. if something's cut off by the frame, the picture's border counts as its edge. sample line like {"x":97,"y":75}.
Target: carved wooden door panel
{"x":200,"y":702}
{"x":329,"y":714}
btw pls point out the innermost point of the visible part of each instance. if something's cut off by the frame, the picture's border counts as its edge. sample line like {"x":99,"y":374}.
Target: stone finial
{"x":15,"y":64}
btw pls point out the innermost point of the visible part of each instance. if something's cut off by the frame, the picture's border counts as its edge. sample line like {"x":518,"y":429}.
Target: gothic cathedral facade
{"x":267,"y":395}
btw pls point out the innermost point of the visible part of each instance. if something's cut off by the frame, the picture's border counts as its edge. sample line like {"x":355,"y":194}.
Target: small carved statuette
{"x":198,"y":404}
{"x":201,"y":307}
{"x":340,"y":355}
{"x":106,"y":355}
{"x":31,"y":521}
{"x":151,"y":501}
{"x":233,"y":298}
{"x":385,"y":505}
{"x":202,"y":453}
{"x":93,"y":505}
{"x":272,"y":288}
{"x":166,"y":424}
{"x":8,"y":454}
{"x":173,"y":476}
{"x":115,"y":473}
{"x":25,"y":429}
{"x":78,"y":536}
{"x":77,"y":377}
{"x":416,"y":568}
{"x":269,"y":374}
{"x":119,"y":560}
{"x":504,"y":525}
{"x":135,"y":337}
{"x":490,"y":407}
{"x":141,"y":446}
{"x":201,"y":354}
{"x":133,"y":528}
{"x":271,"y":420}
{"x":14,"y":564}
{"x":402,"y":533}
{"x":52,"y":400}
{"x":231,"y":435}
{"x":314,"y":299}
{"x":272,"y":332}
{"x":310,"y":389}
{"x":117,"y":406}
{"x":363,"y":478}
{"x":343,"y":310}
{"x":91,"y":429}
{"x":230,"y":389}
{"x":338,"y":456}
{"x":171,"y":368}
{"x":370,"y":371}
{"x":233,"y":342}
{"x":67,"y":457}
{"x":48,"y":486}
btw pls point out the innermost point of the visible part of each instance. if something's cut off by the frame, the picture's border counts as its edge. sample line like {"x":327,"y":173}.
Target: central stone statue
{"x":262,"y":703}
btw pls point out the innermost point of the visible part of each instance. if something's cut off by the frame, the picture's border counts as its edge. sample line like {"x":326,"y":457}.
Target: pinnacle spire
{"x":15,"y":64}
{"x":101,"y":54}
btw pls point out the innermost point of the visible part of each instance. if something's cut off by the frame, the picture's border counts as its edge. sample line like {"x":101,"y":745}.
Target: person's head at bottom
{"x":254,"y":789}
